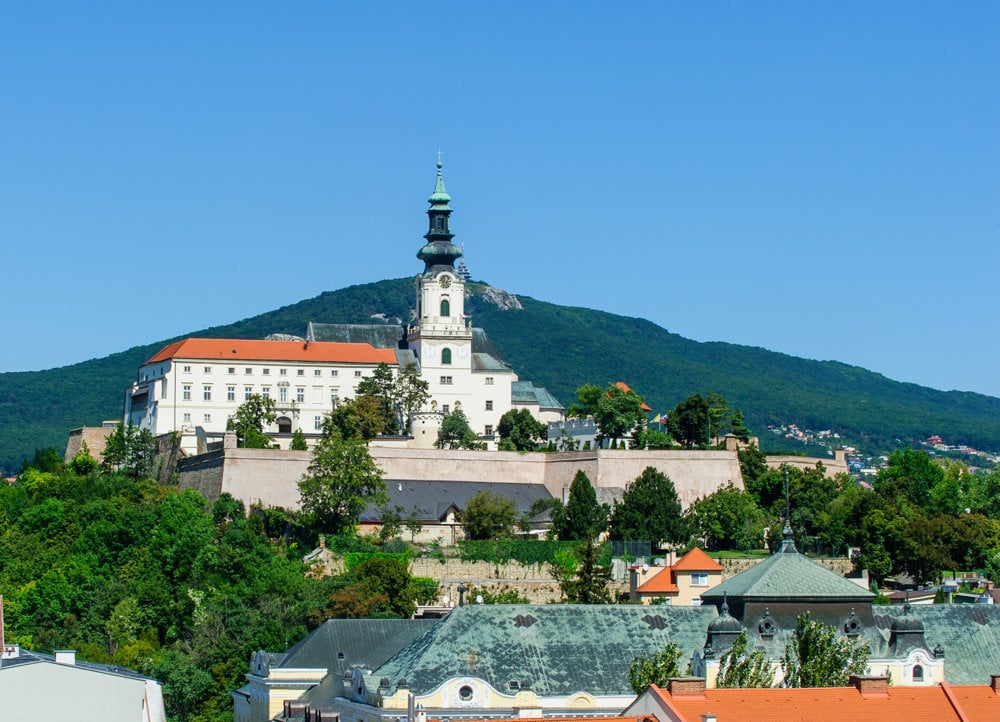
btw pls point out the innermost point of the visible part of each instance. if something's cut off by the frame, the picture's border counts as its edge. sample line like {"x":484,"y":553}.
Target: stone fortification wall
{"x":203,"y":473}
{"x":270,"y":476}
{"x":834,"y":466}
{"x":95,"y":437}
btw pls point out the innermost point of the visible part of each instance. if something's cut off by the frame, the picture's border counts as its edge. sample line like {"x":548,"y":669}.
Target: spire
{"x":439,"y":252}
{"x":788,"y":540}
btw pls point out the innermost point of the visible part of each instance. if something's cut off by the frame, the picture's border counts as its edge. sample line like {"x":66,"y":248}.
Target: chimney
{"x":66,"y":656}
{"x":870,"y":686}
{"x":686,"y":686}
{"x":708,"y":717}
{"x":995,"y":683}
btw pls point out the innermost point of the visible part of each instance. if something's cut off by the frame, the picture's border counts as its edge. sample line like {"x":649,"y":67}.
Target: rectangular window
{"x":186,"y":392}
{"x":317,"y":372}
{"x":302,"y":372}
{"x":699,"y":579}
{"x":163,"y":388}
{"x":232,"y":370}
{"x":489,"y":380}
{"x":283,"y":394}
{"x":208,"y":417}
{"x":282,"y":372}
{"x":446,"y":380}
{"x":208,"y":369}
{"x":230,"y":393}
{"x":357,"y":374}
{"x":445,"y":408}
{"x":489,"y":405}
{"x":267,"y":372}
{"x":317,"y":422}
{"x":187,"y":369}
{"x":265,"y":391}
{"x":207,"y":393}
{"x":187,"y":417}
{"x":489,"y":430}
{"x":300,"y":395}
{"x":247,"y":392}
{"x":248,"y":371}
{"x":333,"y":372}
{"x":334,"y":395}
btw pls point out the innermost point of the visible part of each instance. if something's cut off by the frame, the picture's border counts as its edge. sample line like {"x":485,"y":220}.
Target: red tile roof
{"x":662,"y":582}
{"x":624,"y":387}
{"x":836,"y":704}
{"x":248,"y":350}
{"x":697,"y":561}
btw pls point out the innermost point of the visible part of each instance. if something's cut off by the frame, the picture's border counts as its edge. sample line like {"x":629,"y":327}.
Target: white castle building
{"x":194,"y":386}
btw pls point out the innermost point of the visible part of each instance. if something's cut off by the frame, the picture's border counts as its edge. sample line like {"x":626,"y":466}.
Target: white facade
{"x":187,"y":386}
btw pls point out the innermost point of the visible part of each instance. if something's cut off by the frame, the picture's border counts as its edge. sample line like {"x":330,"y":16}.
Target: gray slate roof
{"x":558,"y":649}
{"x":432,"y":499}
{"x":526,"y":392}
{"x":969,"y":633}
{"x":379,"y":335}
{"x":788,"y":576}
{"x":368,"y":642}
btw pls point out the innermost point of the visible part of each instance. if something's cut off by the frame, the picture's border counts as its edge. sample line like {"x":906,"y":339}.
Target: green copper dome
{"x":439,"y":253}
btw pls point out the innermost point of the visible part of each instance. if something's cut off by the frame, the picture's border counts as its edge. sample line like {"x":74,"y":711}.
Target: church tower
{"x":441,"y":335}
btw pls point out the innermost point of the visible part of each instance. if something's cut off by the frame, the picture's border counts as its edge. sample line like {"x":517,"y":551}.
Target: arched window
{"x":446,"y":355}
{"x":284,"y":425}
{"x":445,"y":307}
{"x":918,"y":673}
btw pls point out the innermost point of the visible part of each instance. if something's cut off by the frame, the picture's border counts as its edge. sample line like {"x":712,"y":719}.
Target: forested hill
{"x":560,"y":348}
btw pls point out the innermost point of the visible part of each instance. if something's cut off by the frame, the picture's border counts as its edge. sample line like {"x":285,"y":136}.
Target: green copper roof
{"x":440,"y":195}
{"x":788,"y":576}
{"x":558,"y":649}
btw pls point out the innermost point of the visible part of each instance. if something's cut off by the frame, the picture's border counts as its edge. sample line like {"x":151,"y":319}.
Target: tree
{"x":381,"y":385}
{"x":522,"y":430}
{"x":617,"y":410}
{"x":249,"y":421}
{"x":657,"y":669}
{"x":582,"y":518}
{"x":413,"y":524}
{"x":359,"y":418}
{"x":817,"y":656}
{"x":741,"y":668}
{"x":489,"y":516}
{"x":718,"y":414}
{"x":738,"y":429}
{"x":130,"y":450}
{"x":341,"y":481}
{"x":455,"y":433}
{"x":410,"y":393}
{"x":589,"y":583}
{"x":753,"y":463}
{"x":650,"y":510}
{"x":299,"y":441}
{"x":392,"y":522}
{"x":379,"y":587}
{"x":728,"y":518}
{"x":689,"y":421}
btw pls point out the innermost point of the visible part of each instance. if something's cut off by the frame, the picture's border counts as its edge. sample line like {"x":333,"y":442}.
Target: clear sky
{"x":821,"y":179}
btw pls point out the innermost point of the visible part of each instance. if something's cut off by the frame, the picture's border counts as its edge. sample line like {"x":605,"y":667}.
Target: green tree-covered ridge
{"x":38,"y":408}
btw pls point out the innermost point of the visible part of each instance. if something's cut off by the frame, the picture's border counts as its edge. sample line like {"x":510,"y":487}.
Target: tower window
{"x":445,"y":307}
{"x":489,"y":405}
{"x":918,"y":673}
{"x":446,"y":355}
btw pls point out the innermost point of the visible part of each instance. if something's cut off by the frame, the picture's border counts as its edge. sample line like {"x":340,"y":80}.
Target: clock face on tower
{"x":445,"y":281}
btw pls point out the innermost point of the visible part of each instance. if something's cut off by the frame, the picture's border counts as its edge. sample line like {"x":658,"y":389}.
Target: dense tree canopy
{"x":689,"y":422}
{"x":342,"y":479}
{"x":489,"y":516}
{"x":818,"y":656}
{"x":582,"y":518}
{"x":455,"y":433}
{"x":617,"y":412}
{"x":650,"y":510}
{"x":520,"y":431}
{"x":249,"y":421}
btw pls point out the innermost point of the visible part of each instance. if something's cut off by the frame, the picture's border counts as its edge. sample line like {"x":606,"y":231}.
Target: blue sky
{"x":817,"y":179}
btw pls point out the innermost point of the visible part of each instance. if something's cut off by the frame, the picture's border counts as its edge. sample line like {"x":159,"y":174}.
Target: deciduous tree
{"x":520,"y":430}
{"x":489,"y":516}
{"x":342,"y":479}
{"x":588,"y":584}
{"x":740,"y":667}
{"x":249,"y":421}
{"x":657,"y":669}
{"x":728,"y":518}
{"x":455,"y":433}
{"x":817,"y":656}
{"x":688,"y":422}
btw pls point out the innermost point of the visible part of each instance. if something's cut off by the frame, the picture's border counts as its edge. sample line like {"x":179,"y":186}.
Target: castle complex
{"x":194,"y":386}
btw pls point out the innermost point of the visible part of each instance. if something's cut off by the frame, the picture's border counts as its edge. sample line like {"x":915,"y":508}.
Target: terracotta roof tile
{"x":836,"y":704}
{"x":249,"y":350}
{"x":663,"y":582}
{"x":697,"y":561}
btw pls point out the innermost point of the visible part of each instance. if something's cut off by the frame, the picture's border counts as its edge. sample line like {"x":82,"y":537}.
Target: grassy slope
{"x":558,"y":347}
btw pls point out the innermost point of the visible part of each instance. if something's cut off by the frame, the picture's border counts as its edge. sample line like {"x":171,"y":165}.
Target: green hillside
{"x":560,"y":348}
